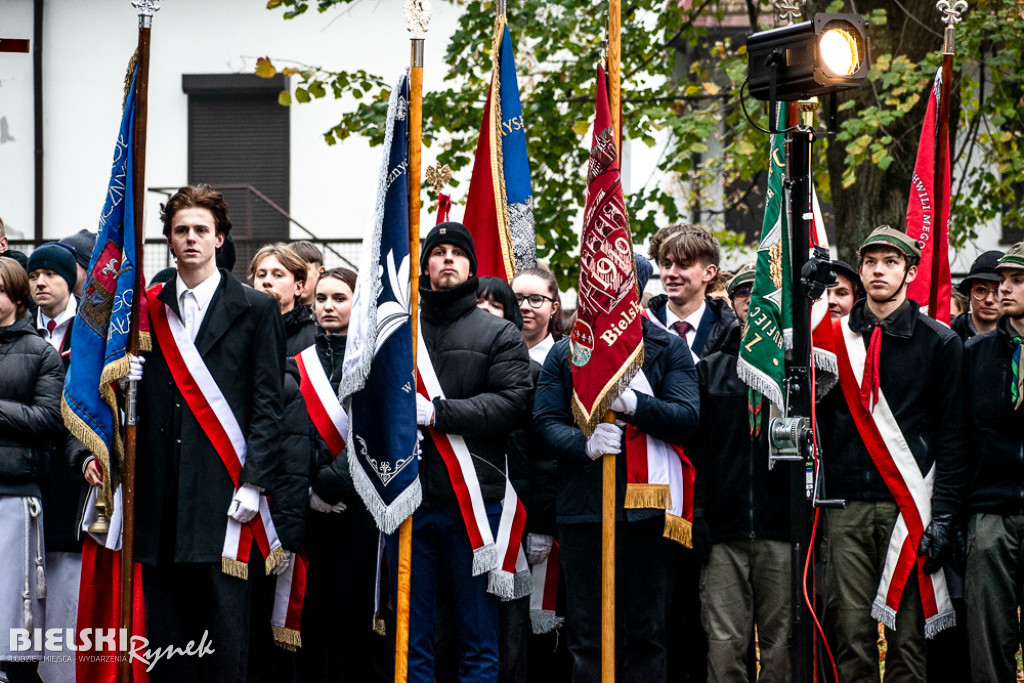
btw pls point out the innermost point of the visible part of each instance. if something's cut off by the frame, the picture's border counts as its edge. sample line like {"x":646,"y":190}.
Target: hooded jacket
{"x":995,"y":431}
{"x":921,"y":376}
{"x":31,"y":380}
{"x":299,"y":329}
{"x":483,"y":367}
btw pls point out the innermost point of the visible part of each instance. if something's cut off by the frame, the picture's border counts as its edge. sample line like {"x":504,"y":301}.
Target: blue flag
{"x":99,"y":339}
{"x":378,"y":369}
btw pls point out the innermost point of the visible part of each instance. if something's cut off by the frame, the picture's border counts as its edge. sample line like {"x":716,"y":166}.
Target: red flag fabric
{"x":606,"y":344}
{"x":932,"y":234}
{"x":98,"y":602}
{"x":491,"y":240}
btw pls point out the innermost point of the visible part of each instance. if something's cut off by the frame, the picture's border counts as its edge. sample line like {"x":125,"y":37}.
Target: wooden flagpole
{"x":951,"y":16}
{"x":145,"y":8}
{"x":608,"y":466}
{"x":417,"y":14}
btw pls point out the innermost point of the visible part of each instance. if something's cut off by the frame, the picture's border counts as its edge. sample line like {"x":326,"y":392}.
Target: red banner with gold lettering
{"x":606,"y":344}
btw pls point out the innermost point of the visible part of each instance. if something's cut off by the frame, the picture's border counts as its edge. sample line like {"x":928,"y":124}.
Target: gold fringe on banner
{"x":378,"y":626}
{"x":128,"y":75}
{"x":276,"y":557}
{"x":679,"y":530}
{"x":287,"y":638}
{"x":235,"y":568}
{"x":611,"y":391}
{"x":657,"y":496}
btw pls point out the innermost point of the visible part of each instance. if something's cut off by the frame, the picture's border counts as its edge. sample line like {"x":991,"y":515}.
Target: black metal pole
{"x":799,"y":379}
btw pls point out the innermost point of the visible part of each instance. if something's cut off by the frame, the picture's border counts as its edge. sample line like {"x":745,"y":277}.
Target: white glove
{"x":320,"y":505}
{"x":245,"y":504}
{"x":625,"y":403}
{"x":606,"y":440}
{"x":538,"y":546}
{"x":424,"y":411}
{"x":135,"y":364}
{"x":282,"y":566}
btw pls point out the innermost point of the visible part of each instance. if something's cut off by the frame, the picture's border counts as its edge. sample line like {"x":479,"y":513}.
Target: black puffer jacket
{"x":31,"y":379}
{"x":921,"y":376}
{"x":299,"y":330}
{"x":331,"y":478}
{"x":995,"y":431}
{"x":670,"y":415}
{"x":483,"y":366}
{"x":734,"y":490}
{"x":533,"y":470}
{"x":712,"y":332}
{"x":289,"y":498}
{"x":964,"y":327}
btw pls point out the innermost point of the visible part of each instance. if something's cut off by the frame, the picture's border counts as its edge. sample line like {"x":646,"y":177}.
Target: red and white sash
{"x":289,"y":593}
{"x":660,"y":476}
{"x":892,"y":456}
{"x":211,"y":409}
{"x":544,"y":597}
{"x":322,"y":404}
{"x":508,"y":576}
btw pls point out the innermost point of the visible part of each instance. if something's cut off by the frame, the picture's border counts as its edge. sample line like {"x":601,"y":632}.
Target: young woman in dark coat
{"x":341,"y":540}
{"x":31,"y":377}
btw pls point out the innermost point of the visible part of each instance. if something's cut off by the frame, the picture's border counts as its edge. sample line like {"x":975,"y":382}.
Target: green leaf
{"x":284,"y":98}
{"x":302,"y":95}
{"x":264,"y":68}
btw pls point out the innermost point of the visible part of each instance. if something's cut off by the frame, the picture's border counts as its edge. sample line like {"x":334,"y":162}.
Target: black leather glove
{"x":937,"y":542}
{"x":702,"y":538}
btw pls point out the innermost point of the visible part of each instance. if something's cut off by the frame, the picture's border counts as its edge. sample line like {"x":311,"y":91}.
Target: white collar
{"x":540,"y":352}
{"x":694,"y":318}
{"x":67,"y":315}
{"x":203,"y":292}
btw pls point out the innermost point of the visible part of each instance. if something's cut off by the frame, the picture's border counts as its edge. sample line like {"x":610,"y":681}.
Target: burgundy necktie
{"x":681,"y":327}
{"x":50,"y":326}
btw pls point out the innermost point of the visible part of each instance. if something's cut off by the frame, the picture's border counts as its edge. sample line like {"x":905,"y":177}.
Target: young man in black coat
{"x":645,"y":558}
{"x":995,"y":498}
{"x":483,"y":369}
{"x":186,"y":495}
{"x":893,"y":448}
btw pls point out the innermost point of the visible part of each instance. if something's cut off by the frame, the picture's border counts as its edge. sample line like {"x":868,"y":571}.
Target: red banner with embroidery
{"x":606,"y":343}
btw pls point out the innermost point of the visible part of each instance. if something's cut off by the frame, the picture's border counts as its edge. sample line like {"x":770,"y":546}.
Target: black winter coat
{"x":670,"y":415}
{"x":533,"y":471}
{"x":184,"y":491}
{"x":483,"y":366}
{"x":331,"y":478}
{"x":299,"y":329}
{"x":995,"y":431}
{"x":921,"y":376}
{"x":715,"y":325}
{"x":964,"y":327}
{"x":31,"y":380}
{"x":289,"y":502}
{"x":734,"y":490}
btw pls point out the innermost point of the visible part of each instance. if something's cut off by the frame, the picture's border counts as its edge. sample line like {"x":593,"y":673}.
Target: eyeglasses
{"x":742,"y":292}
{"x":981,"y":291}
{"x":535,"y":300}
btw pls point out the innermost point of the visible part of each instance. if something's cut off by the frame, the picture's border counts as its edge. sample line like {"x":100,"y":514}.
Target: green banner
{"x":769,"y":327}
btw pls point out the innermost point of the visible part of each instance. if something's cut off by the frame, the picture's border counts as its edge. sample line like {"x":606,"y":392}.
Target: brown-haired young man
{"x":687,"y":258}
{"x":199,"y":496}
{"x":314,"y":259}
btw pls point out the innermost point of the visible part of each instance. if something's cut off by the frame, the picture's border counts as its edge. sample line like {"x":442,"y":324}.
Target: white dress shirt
{"x":693,"y":319}
{"x":63,"y":326}
{"x":540,"y":352}
{"x":193,"y":303}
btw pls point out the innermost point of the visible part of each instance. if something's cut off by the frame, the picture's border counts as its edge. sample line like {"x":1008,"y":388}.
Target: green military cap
{"x":1014,"y":258}
{"x":885,"y":236}
{"x":744,"y":274}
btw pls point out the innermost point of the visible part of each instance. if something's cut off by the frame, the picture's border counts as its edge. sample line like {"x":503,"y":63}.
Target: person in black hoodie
{"x":31,"y":377}
{"x":740,"y":518}
{"x":278,"y":271}
{"x":995,"y":497}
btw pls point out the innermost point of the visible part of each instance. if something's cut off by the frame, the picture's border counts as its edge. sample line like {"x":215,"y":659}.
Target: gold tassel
{"x":679,"y":530}
{"x":275,"y":558}
{"x":657,"y":496}
{"x":287,"y":638}
{"x":378,"y":626}
{"x":235,"y":568}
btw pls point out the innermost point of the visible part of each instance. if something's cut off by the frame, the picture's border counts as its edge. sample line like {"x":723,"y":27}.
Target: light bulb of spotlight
{"x":838,"y":50}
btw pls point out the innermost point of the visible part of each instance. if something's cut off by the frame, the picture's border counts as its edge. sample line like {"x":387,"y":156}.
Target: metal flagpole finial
{"x":147,"y":8}
{"x":951,"y":11}
{"x":788,"y":10}
{"x":417,"y":17}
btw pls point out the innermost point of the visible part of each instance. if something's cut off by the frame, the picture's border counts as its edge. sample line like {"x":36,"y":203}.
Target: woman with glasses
{"x":980,"y":289}
{"x":537,"y":294}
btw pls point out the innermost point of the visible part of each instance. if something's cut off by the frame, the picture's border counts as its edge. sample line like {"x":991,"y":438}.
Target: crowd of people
{"x":236,"y":483}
